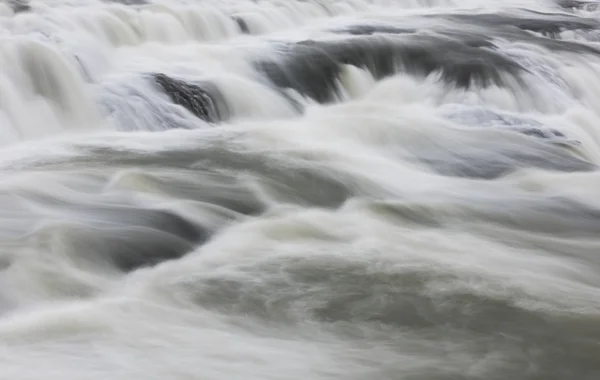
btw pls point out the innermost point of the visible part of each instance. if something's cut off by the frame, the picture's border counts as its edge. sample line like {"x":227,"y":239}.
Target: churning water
{"x":299,"y":189}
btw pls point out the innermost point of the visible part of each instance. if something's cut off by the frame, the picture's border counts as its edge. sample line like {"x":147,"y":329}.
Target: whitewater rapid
{"x":288,"y":189}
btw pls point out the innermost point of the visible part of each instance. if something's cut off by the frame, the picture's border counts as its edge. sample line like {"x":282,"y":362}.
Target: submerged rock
{"x":19,"y":6}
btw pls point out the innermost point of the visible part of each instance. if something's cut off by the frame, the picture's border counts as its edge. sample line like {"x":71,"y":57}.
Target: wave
{"x":299,"y":189}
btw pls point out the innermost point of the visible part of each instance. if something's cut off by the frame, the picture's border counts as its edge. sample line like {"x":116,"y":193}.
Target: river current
{"x":299,"y":189}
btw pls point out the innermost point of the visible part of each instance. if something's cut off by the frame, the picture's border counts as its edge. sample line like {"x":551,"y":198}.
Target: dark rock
{"x":18,"y":6}
{"x":577,"y":4}
{"x":312,"y":67}
{"x":128,"y":2}
{"x":547,"y":24}
{"x":242,"y":24}
{"x":205,"y":102}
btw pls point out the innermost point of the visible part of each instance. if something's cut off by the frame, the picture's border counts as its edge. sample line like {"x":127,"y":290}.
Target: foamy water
{"x":286,"y":189}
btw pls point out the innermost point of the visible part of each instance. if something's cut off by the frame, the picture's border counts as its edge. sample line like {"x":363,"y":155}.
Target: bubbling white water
{"x":299,"y":189}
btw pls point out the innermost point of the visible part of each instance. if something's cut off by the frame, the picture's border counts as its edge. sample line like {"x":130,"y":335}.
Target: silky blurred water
{"x":319,"y":189}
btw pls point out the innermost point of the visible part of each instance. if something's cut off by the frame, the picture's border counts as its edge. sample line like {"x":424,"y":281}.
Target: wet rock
{"x":205,"y":102}
{"x":18,"y":6}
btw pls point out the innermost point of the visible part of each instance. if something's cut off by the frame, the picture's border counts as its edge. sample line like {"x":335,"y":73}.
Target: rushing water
{"x":299,"y":189}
